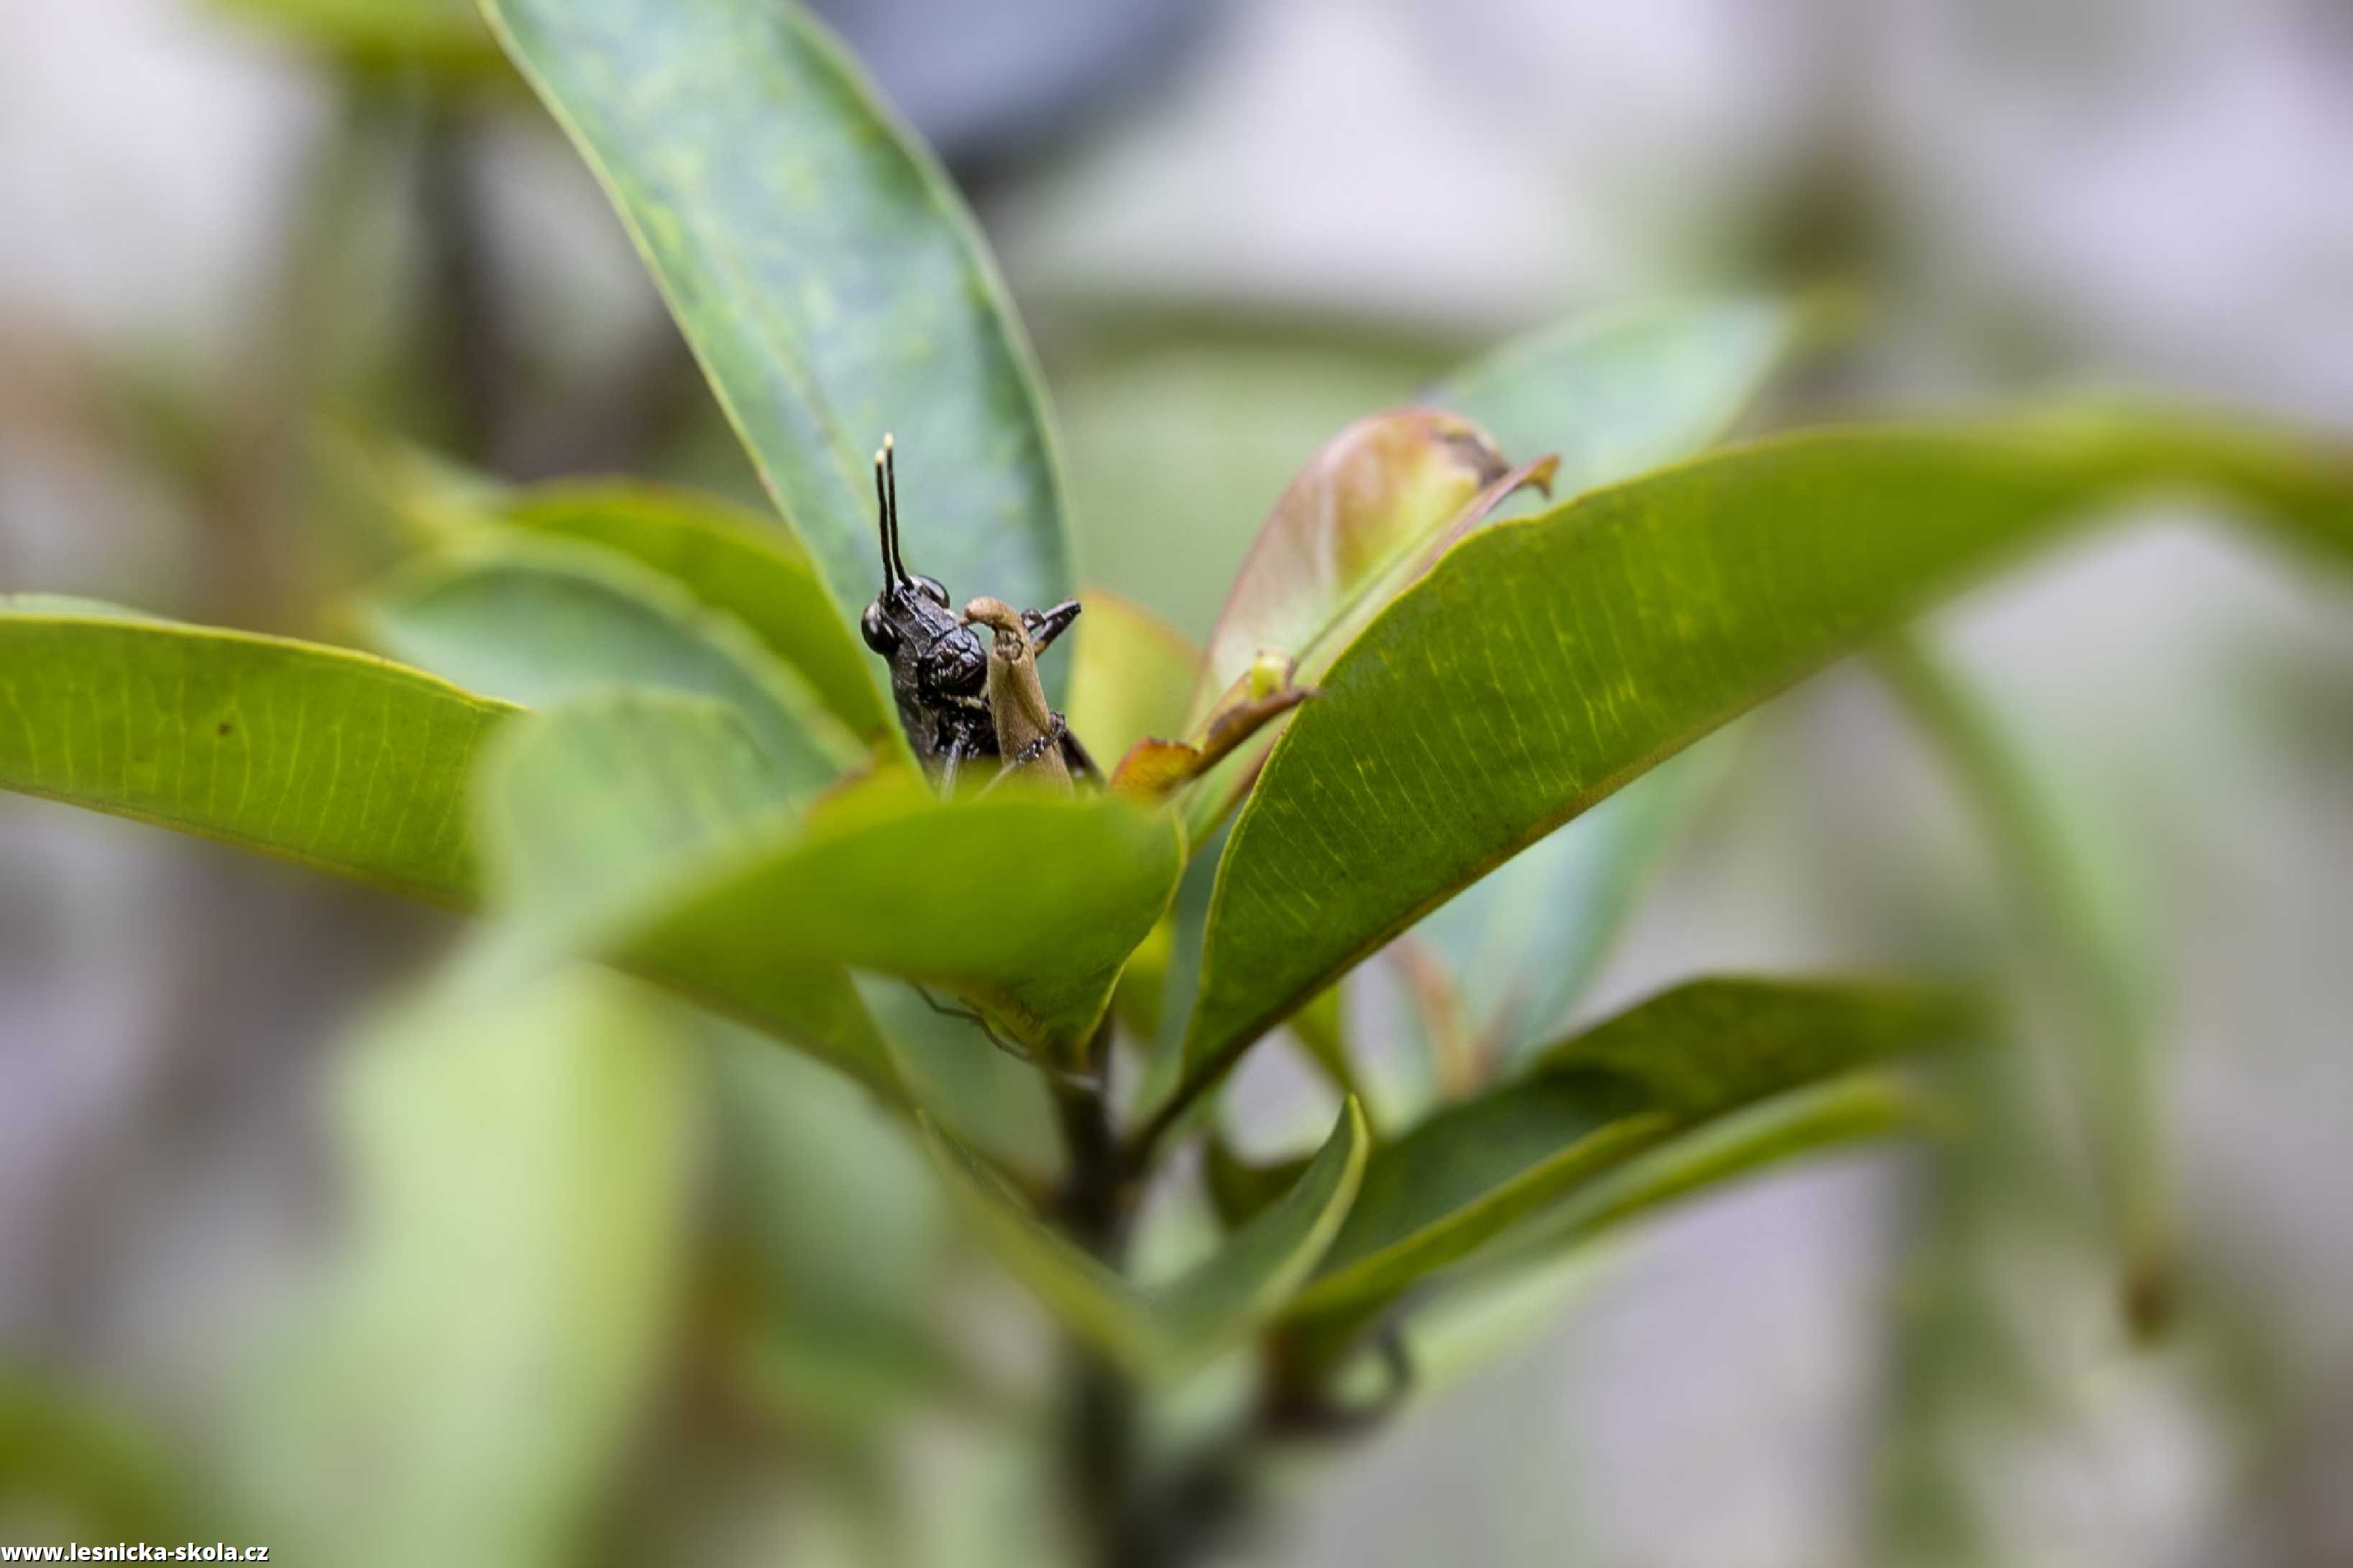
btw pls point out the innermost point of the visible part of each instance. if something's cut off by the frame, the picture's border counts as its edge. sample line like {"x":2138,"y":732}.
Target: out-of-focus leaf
{"x":1618,"y":394}
{"x":840,"y":1285}
{"x":586,"y":809}
{"x":1238,"y":1189}
{"x":2080,"y":945}
{"x":73,"y":607}
{"x":1589,"y":1103}
{"x":335,"y":759}
{"x":1708,"y":1045}
{"x":1855,"y":1107}
{"x":1321,"y":1029}
{"x":464,"y":1389}
{"x":1131,"y":676}
{"x":988,"y":1098}
{"x":1547,"y":661}
{"x":72,"y":1461}
{"x":825,"y":274}
{"x":537,"y":622}
{"x":590,"y":813}
{"x":733,"y":562}
{"x":1024,"y":904}
{"x":1169,"y":1328}
{"x":1180,"y":978}
{"x":443,"y":35}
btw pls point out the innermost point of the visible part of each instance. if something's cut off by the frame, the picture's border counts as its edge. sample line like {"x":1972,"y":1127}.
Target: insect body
{"x":939,"y":668}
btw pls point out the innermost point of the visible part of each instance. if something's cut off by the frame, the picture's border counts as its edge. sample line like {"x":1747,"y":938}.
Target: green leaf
{"x":445,"y":35}
{"x":1025,"y":905}
{"x":825,"y":275}
{"x":1469,"y":1172}
{"x":464,"y":1388}
{"x":1547,"y":661}
{"x":1619,"y":394}
{"x":1522,"y":942}
{"x":1854,"y":1107}
{"x":334,"y":759}
{"x":590,"y":815}
{"x":1707,"y":1045}
{"x":538,"y":622}
{"x":1603,"y":398}
{"x":1166,"y":1329}
{"x":1614,"y":395}
{"x":586,"y":809}
{"x":733,"y":562}
{"x":841,"y":1287}
{"x":2069,"y":916}
{"x":1132,"y":676}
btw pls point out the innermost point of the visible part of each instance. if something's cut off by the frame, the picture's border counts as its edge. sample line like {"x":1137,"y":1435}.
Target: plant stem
{"x":1099,"y":1453}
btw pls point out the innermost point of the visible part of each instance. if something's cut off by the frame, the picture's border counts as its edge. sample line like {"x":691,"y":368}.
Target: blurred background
{"x":232,"y":228}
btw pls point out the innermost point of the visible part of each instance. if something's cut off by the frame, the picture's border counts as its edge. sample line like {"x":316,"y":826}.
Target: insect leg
{"x":1075,"y":758}
{"x":1045,"y":625}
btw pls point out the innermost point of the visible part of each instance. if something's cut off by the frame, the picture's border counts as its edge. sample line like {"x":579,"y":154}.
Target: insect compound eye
{"x":880,"y":634}
{"x":934,"y":589}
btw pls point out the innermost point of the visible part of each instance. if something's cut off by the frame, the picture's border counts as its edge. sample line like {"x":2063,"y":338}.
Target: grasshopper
{"x":940,"y":674}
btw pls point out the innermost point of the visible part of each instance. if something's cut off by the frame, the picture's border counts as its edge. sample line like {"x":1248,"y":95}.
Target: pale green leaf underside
{"x":1549,"y":660}
{"x":1619,"y":394}
{"x":543,"y":621}
{"x":592,"y":814}
{"x":1166,"y":1330}
{"x":732,"y":562}
{"x":825,"y":274}
{"x":1025,"y":904}
{"x":335,"y":759}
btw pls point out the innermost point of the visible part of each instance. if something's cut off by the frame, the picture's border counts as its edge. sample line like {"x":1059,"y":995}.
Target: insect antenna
{"x":891,"y":501}
{"x":886,"y":505}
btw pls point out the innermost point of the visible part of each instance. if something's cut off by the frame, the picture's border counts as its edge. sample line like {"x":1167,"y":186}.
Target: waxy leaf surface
{"x":335,"y":759}
{"x":1547,"y":661}
{"x":825,"y":274}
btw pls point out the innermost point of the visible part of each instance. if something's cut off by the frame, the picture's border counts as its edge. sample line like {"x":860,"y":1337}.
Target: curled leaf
{"x":1154,"y":769}
{"x":1374,"y":494}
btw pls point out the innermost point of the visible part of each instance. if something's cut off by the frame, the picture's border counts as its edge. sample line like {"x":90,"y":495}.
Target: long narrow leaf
{"x":825,"y":274}
{"x":1548,"y":661}
{"x":1596,"y":1100}
{"x":335,"y":759}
